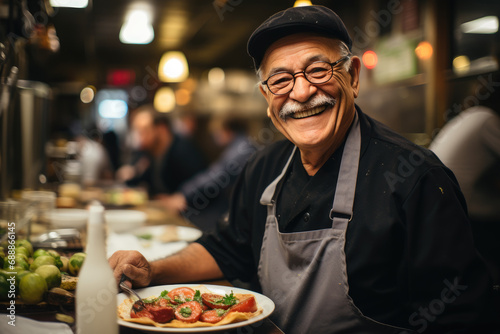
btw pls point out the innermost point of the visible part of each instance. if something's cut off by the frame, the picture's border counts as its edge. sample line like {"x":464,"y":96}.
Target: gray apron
{"x":305,"y":273}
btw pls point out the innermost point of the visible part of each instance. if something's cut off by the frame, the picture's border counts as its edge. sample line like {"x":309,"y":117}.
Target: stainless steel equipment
{"x":23,"y":126}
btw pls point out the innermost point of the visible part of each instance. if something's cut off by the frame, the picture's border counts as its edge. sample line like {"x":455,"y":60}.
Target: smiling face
{"x":312,"y":116}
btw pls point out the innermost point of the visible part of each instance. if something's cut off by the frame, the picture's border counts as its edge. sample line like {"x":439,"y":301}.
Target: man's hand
{"x":125,"y":173}
{"x":133,"y":265}
{"x":175,"y":202}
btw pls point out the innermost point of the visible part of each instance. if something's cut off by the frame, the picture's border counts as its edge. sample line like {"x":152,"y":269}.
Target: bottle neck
{"x":96,"y":234}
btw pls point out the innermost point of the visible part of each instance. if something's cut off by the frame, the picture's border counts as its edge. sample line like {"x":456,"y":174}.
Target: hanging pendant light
{"x":302,"y":3}
{"x":164,"y":100}
{"x":173,"y":67}
{"x":137,"y":28}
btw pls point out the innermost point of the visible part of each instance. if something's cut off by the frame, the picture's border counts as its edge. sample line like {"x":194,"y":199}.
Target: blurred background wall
{"x":65,"y":69}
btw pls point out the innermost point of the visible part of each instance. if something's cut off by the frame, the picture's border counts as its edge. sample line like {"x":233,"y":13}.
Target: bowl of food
{"x":68,"y":218}
{"x":120,"y":221}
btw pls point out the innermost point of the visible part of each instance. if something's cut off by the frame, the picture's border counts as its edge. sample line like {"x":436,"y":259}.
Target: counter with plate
{"x":152,"y":231}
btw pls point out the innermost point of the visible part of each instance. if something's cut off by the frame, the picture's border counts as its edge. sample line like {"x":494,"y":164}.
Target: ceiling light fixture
{"x":164,"y":100}
{"x":137,"y":28}
{"x":483,"y":25}
{"x":70,"y":3}
{"x":302,"y":3}
{"x":173,"y":67}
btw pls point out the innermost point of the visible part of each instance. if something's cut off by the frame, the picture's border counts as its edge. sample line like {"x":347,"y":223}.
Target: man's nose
{"x":302,"y":90}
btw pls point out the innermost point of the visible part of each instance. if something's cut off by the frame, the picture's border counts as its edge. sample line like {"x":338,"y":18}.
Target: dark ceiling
{"x":211,"y":33}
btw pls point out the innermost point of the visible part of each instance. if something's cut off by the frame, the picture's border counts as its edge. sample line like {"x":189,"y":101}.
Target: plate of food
{"x":192,"y":308}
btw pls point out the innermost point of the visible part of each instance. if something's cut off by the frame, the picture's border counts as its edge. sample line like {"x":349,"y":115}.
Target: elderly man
{"x":346,"y":226}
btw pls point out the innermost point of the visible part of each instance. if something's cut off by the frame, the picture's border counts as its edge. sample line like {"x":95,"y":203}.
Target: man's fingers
{"x":133,"y":265}
{"x":139,"y":276}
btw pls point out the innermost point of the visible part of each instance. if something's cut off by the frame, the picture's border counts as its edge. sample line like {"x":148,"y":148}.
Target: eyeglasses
{"x":319,"y":72}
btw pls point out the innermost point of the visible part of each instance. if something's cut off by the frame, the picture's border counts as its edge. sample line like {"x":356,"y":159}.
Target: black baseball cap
{"x":318,"y":19}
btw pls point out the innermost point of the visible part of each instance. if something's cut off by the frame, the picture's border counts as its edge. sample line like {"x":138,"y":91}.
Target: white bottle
{"x":96,"y":289}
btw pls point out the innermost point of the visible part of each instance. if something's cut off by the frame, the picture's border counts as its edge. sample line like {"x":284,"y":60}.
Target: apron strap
{"x":343,"y":201}
{"x":268,"y":194}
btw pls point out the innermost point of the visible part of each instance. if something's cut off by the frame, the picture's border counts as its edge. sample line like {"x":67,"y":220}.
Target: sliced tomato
{"x":188,"y":312}
{"x":163,"y":302}
{"x":213,"y":300}
{"x":162,"y":314}
{"x":180,"y":295}
{"x":247,"y":304}
{"x":141,"y":314}
{"x":212,"y":316}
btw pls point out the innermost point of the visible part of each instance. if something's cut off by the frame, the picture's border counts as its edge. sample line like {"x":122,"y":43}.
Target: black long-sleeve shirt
{"x":410,"y":256}
{"x":167,"y":173}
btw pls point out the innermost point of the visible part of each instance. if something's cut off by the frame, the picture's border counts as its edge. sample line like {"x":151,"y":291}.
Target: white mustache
{"x":291,"y":107}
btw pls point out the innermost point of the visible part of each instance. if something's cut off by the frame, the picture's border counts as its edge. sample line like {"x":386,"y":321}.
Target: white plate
{"x":264,"y":302}
{"x":184,"y":233}
{"x":152,"y":249}
{"x":121,"y":221}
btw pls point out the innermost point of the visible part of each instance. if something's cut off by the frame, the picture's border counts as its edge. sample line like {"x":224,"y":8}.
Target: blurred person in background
{"x":204,"y":198}
{"x":93,"y":159}
{"x":163,"y":160}
{"x":110,"y":142}
{"x":469,"y":145}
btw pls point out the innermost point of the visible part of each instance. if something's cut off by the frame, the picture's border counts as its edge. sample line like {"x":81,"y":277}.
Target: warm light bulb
{"x":302,"y":3}
{"x":164,"y":100}
{"x":424,"y":50}
{"x":370,"y":59}
{"x":461,"y":64}
{"x":87,"y":94}
{"x":216,"y":76}
{"x":173,"y":67}
{"x":182,"y":96}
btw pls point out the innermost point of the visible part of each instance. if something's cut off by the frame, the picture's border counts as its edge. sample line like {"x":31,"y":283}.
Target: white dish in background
{"x":183,"y":233}
{"x":68,"y":218}
{"x":263,"y":301}
{"x":148,"y":240}
{"x":120,"y":221}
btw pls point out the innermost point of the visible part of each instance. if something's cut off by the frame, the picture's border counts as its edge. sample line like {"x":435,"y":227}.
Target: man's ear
{"x":269,"y":112}
{"x":263,"y":92}
{"x":354,"y":72}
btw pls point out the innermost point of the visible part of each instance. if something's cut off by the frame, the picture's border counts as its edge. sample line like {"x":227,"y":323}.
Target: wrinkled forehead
{"x":289,"y":47}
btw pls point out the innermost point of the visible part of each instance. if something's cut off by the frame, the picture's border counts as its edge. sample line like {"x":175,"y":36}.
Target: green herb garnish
{"x":185,"y":312}
{"x":220,"y":312}
{"x":197,"y":297}
{"x":229,"y":299}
